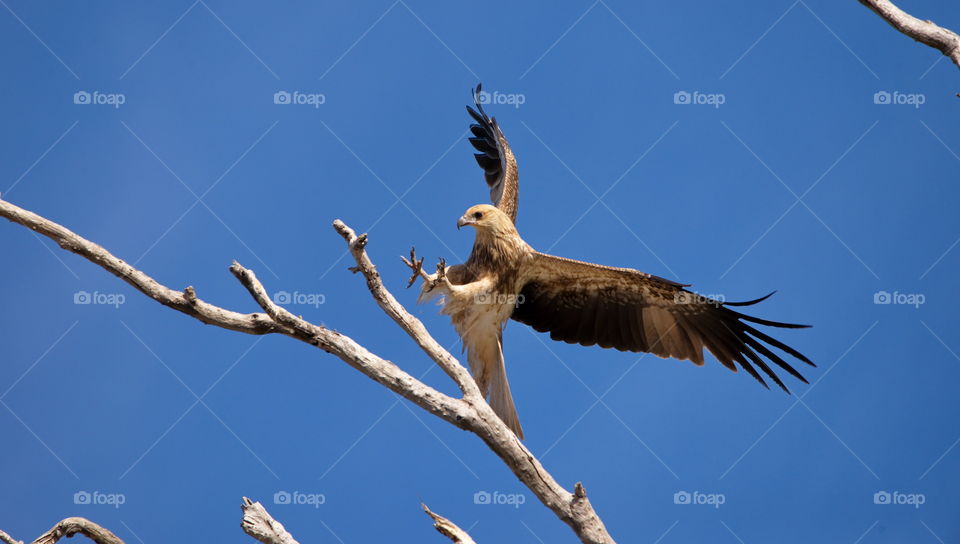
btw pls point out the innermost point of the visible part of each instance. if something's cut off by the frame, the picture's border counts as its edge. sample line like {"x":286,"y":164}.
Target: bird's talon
{"x":415,"y":265}
{"x":442,"y":269}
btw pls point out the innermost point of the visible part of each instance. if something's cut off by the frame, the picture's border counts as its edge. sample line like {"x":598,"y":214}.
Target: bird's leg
{"x":439,"y":279}
{"x":416,"y":266}
{"x":442,"y":269}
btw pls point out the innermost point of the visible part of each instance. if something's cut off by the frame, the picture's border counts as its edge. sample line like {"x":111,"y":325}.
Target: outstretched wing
{"x":495,"y":157}
{"x":626,"y":309}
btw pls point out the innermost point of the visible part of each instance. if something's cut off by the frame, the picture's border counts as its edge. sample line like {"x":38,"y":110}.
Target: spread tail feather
{"x":490,"y":373}
{"x":501,"y":400}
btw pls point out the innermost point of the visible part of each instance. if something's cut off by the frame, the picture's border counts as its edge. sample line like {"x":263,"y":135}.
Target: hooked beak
{"x":463,"y":221}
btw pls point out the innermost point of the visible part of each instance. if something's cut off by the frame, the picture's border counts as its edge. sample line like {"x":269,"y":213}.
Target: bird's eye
{"x":477,"y":215}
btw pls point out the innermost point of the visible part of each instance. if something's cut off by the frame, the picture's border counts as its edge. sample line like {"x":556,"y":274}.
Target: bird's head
{"x":486,"y":219}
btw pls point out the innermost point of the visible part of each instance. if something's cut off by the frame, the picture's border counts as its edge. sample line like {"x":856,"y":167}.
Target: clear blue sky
{"x":797,"y":182}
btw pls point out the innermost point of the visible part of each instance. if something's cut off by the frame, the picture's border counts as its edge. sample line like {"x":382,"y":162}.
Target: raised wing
{"x":495,"y":157}
{"x":622,"y":308}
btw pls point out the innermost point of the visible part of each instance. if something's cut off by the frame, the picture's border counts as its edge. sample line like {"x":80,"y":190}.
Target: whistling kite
{"x":575,"y":301}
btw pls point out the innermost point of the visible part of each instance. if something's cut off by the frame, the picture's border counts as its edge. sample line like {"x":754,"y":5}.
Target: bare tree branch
{"x":180,"y":301}
{"x":925,"y":32}
{"x":256,"y":522}
{"x":72,"y":526}
{"x":261,"y":526}
{"x":575,"y":511}
{"x":382,"y":371}
{"x":448,"y":528}
{"x":410,"y":324}
{"x":470,"y":412}
{"x":7,"y":539}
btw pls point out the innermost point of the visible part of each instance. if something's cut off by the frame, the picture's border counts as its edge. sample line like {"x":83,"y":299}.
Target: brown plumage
{"x":575,"y":301}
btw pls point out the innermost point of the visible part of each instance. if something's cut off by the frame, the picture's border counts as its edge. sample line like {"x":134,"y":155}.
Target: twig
{"x":448,"y":528}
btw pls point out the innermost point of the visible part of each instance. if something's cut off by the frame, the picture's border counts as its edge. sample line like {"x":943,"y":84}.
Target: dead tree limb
{"x":7,"y":539}
{"x":256,"y":522}
{"x":448,"y":528}
{"x":925,"y":32}
{"x":471,"y":412}
{"x":261,"y":526}
{"x":72,"y":526}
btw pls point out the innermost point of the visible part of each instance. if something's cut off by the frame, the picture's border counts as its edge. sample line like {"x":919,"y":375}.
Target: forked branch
{"x":471,"y":412}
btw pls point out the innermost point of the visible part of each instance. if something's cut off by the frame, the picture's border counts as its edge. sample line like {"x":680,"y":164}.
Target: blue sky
{"x":798,"y":181}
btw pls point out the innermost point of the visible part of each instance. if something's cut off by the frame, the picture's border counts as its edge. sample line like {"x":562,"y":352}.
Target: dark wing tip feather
{"x":751,"y":349}
{"x":766,"y":322}
{"x":476,"y":100}
{"x":750,"y":302}
{"x":778,"y":344}
{"x":494,"y":157}
{"x":753,"y":372}
{"x":478,"y":117}
{"x":735,"y":330}
{"x":773,"y":357}
{"x":769,"y":323}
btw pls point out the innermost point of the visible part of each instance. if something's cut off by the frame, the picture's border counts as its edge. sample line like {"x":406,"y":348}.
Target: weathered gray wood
{"x":471,"y":412}
{"x":448,"y":528}
{"x":925,"y":32}
{"x":261,"y":526}
{"x":72,"y":526}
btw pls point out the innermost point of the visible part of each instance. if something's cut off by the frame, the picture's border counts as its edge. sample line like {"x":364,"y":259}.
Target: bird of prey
{"x":576,"y":301}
